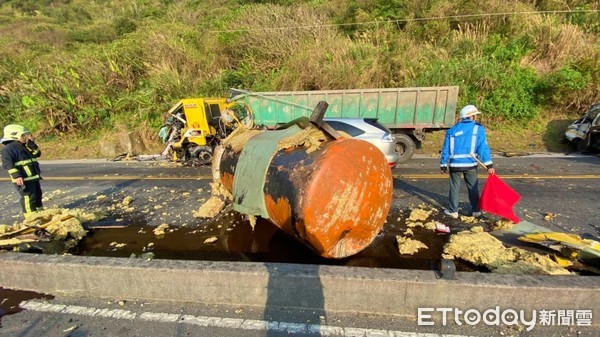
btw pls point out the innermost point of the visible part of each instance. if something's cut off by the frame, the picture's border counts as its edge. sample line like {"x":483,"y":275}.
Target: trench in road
{"x":233,"y":239}
{"x":236,"y":241}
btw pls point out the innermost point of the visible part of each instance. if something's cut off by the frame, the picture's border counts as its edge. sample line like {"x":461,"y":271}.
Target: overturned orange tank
{"x":332,"y":195}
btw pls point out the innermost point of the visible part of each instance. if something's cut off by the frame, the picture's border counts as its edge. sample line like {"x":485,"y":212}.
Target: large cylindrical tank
{"x":332,"y":195}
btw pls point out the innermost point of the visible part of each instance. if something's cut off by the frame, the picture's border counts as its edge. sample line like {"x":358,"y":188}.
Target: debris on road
{"x":570,"y":246}
{"x":469,"y":219}
{"x":441,"y":228}
{"x":14,"y":242}
{"x":418,"y":218}
{"x":70,"y":329}
{"x":482,"y":249}
{"x":501,"y":224}
{"x":215,"y":204}
{"x":210,"y":208}
{"x":430,"y":225}
{"x":160,"y":230}
{"x":117,"y":245}
{"x":408,"y":246}
{"x":51,"y":195}
{"x":550,"y":216}
{"x":420,"y":214}
{"x":212,"y":239}
{"x":127,"y":201}
{"x":55,"y":224}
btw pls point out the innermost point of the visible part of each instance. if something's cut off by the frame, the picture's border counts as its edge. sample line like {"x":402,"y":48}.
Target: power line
{"x":463,"y":16}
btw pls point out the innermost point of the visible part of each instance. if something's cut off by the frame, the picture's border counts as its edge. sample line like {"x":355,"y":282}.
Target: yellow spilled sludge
{"x":55,"y":224}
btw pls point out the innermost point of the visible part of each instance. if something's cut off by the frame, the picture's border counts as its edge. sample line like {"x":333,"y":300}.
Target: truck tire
{"x":405,"y":148}
{"x":203,"y":154}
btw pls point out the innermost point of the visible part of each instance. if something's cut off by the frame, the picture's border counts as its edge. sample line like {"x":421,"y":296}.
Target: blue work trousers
{"x":471,"y":181}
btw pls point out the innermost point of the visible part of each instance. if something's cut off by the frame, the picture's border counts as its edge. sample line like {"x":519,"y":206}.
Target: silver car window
{"x":349,"y":129}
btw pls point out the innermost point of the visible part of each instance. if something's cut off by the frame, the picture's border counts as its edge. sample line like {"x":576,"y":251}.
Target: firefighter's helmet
{"x":468,"y":111}
{"x":13,"y":132}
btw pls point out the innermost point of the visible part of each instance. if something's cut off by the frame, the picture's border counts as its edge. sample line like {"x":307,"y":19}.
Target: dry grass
{"x":266,"y":49}
{"x":23,"y":35}
{"x":334,"y":66}
{"x":174,"y":57}
{"x":88,"y":146}
{"x":72,"y":147}
{"x":557,"y":44}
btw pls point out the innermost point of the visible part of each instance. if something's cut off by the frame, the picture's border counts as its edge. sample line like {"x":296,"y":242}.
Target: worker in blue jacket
{"x":463,"y":141}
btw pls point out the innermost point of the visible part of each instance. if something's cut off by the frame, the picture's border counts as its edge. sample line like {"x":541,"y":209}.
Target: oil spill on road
{"x":236,"y":241}
{"x":10,"y":300}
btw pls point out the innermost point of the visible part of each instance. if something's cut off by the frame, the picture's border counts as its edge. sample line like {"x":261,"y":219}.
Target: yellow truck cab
{"x":195,"y":126}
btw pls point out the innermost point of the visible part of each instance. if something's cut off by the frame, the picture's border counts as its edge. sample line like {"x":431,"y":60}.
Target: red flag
{"x":499,"y":198}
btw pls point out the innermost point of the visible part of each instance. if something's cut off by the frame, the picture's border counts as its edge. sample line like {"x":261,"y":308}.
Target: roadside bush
{"x":124,"y":25}
{"x":489,"y":76}
{"x":563,"y":87}
{"x":92,"y":34}
{"x":127,"y":61}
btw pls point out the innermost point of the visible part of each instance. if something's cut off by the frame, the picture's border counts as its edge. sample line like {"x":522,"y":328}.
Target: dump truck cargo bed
{"x":397,"y":108}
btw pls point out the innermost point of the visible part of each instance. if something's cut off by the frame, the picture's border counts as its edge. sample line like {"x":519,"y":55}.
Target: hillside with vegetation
{"x":74,"y":71}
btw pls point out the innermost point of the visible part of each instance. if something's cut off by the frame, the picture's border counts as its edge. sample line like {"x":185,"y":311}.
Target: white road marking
{"x":223,"y":322}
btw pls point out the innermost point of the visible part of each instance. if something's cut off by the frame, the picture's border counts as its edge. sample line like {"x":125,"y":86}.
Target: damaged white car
{"x":584,"y":133}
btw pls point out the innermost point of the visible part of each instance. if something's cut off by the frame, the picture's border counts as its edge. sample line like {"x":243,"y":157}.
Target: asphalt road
{"x":558,"y":192}
{"x":566,"y":186}
{"x":86,"y":317}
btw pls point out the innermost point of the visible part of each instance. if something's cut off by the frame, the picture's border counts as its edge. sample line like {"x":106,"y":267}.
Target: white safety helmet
{"x":13,"y":132}
{"x":468,"y":111}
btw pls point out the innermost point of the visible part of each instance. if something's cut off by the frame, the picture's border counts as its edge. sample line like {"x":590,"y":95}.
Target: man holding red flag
{"x":464,"y":139}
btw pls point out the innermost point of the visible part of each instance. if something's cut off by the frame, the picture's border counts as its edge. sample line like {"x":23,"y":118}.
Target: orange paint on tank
{"x":280,"y":212}
{"x":227,"y":181}
{"x":347,"y":199}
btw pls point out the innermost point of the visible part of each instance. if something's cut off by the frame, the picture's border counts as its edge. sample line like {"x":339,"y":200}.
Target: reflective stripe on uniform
{"x":452,"y":147}
{"x":474,"y":139}
{"x":462,"y":165}
{"x":27,"y":205}
{"x":461,"y":156}
{"x":27,"y":170}
{"x":23,"y":162}
{"x":35,"y":177}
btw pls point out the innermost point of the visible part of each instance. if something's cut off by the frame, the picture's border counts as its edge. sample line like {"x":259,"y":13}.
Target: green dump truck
{"x":408,"y":112}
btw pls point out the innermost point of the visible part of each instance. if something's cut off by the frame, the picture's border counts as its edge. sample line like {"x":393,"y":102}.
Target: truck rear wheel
{"x":405,"y":148}
{"x":203,"y":154}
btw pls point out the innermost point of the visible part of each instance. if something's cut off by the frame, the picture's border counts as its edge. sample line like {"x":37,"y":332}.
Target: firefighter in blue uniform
{"x":19,"y":157}
{"x":465,"y":139}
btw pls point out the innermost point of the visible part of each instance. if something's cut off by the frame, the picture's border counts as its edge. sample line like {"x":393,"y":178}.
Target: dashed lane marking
{"x":223,"y":322}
